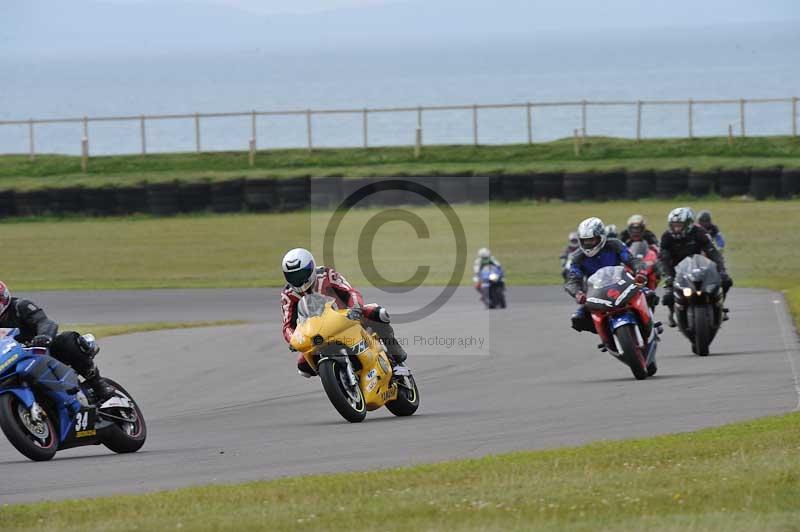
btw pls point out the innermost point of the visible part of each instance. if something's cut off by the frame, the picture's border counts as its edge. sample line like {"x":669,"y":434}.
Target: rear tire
{"x":352,"y":409}
{"x":702,"y":330}
{"x":129,"y":439}
{"x":13,"y":426}
{"x":407,"y":400}
{"x":631,"y":352}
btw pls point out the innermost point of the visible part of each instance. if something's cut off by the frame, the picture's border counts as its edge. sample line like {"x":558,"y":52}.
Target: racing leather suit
{"x":331,"y":283}
{"x":614,"y":253}
{"x":36,"y":329}
{"x":647,"y":235}
{"x":673,"y":250}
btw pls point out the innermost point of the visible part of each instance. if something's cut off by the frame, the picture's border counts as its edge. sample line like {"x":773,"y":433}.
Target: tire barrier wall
{"x":280,"y":195}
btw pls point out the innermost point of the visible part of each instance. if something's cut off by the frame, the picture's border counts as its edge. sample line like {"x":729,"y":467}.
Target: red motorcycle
{"x":623,"y":319}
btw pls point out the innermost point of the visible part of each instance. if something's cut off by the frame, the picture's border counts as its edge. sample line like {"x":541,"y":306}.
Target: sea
{"x":704,"y":63}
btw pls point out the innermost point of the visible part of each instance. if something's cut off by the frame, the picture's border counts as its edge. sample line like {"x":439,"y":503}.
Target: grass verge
{"x":744,"y":476}
{"x":598,"y":153}
{"x":104,"y":330}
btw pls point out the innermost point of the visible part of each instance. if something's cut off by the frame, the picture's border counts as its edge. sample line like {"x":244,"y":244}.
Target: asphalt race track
{"x":225,"y":404}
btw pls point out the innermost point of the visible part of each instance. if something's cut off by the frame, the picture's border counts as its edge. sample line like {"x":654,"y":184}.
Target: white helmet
{"x":299,"y":269}
{"x":592,"y":236}
{"x":680,"y":221}
{"x":636,"y":225}
{"x":484,"y":253}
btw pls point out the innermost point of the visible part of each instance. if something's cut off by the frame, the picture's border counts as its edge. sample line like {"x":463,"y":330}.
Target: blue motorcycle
{"x":45,"y":408}
{"x":492,"y":286}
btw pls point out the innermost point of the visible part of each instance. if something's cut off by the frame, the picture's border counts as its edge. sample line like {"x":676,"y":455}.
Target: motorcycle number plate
{"x":84,"y":422}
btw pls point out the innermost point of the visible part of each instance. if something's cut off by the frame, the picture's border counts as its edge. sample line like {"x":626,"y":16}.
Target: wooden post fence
{"x":31,"y":142}
{"x":197,"y":132}
{"x":530,"y":123}
{"x":528,"y":107}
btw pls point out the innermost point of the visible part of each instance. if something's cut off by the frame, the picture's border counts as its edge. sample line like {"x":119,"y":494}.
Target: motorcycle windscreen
{"x":491,"y":274}
{"x":639,"y":249}
{"x":312,"y":305}
{"x":609,"y":287}
{"x":697,"y":271}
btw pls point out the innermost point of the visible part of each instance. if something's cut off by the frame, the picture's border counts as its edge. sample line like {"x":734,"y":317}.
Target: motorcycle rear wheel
{"x":128,"y":438}
{"x":407,"y":400}
{"x":333,"y":376}
{"x":631,"y":352}
{"x":702,"y":330}
{"x":12,"y":411}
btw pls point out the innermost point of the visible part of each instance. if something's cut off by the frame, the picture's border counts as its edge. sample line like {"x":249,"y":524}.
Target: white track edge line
{"x":789,"y":342}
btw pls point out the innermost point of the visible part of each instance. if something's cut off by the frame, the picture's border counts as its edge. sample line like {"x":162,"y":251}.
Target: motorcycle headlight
{"x":493,"y":277}
{"x":687,"y":292}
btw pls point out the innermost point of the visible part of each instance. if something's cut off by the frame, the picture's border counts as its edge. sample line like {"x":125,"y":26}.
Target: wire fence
{"x":744,"y":108}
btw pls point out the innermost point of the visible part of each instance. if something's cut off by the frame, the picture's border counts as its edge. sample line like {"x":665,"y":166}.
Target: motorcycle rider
{"x":637,"y":230}
{"x":304,"y":277}
{"x":682,"y":239}
{"x":596,"y":251}
{"x":572,"y":245}
{"x":611,"y":231}
{"x":37,"y":330}
{"x":704,"y":221}
{"x":484,"y":258}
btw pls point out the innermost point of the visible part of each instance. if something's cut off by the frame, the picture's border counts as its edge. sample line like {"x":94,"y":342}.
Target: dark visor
{"x":300,"y":277}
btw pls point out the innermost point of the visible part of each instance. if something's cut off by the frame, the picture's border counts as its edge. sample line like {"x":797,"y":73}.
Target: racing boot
{"x":671,"y":319}
{"x":394,"y":349}
{"x":103,"y":391}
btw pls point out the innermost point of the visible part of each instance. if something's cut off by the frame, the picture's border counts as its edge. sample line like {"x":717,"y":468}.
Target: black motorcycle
{"x":698,"y":301}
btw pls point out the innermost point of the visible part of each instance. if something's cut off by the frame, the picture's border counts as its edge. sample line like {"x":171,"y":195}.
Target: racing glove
{"x":641,"y":278}
{"x":580,"y":297}
{"x":41,"y":340}
{"x":355,"y":313}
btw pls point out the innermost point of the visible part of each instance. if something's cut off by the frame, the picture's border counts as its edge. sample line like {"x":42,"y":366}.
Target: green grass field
{"x":744,"y":476}
{"x":245,"y":249}
{"x":16,"y":171}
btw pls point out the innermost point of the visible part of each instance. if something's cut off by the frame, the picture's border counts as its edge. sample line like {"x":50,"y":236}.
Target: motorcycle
{"x":44,"y":408}
{"x":492,"y":286}
{"x":699,"y":301}
{"x":351,"y":361}
{"x":649,"y":257}
{"x":623,"y":319}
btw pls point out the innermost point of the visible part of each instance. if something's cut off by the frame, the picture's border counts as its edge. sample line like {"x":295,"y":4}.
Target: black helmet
{"x":704,"y":218}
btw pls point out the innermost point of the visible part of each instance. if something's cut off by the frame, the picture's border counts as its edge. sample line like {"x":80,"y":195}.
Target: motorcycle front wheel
{"x":348,"y":400}
{"x":631,"y":352}
{"x":37,"y":440}
{"x":703,"y":318}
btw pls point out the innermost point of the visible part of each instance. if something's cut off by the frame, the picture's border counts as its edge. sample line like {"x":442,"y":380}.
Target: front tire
{"x":37,"y":441}
{"x":407,"y":400}
{"x":126,"y":437}
{"x":631,"y":353}
{"x":498,"y":296}
{"x":347,"y":400}
{"x":702,"y":330}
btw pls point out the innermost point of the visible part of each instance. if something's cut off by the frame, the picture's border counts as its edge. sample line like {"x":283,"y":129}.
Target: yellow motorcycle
{"x":351,"y":362}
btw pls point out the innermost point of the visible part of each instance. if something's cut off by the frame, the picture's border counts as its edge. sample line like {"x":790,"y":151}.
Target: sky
{"x":277,"y":6}
{"x":157,"y":27}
